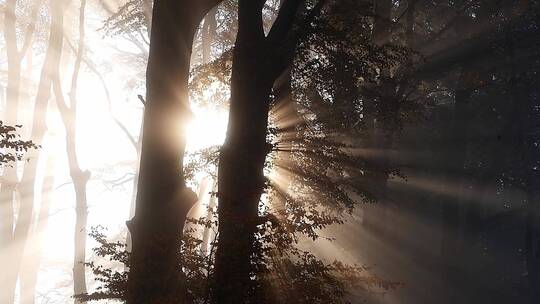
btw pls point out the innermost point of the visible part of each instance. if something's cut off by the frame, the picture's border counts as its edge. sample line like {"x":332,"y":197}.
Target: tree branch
{"x":285,"y":20}
{"x":284,"y":49}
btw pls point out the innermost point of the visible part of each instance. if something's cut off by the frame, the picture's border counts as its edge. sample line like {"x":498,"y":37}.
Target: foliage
{"x":282,"y":272}
{"x":12,"y":148}
{"x":132,"y":17}
{"x":334,"y":73}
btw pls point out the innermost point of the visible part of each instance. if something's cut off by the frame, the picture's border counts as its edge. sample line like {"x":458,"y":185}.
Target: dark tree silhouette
{"x":162,"y":198}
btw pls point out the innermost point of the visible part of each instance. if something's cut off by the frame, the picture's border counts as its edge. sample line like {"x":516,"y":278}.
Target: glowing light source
{"x":207,"y":128}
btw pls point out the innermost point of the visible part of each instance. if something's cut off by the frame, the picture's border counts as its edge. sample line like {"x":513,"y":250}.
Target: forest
{"x":270,"y":151}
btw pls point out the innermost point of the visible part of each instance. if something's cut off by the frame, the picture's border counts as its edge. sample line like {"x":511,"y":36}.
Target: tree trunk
{"x":163,"y":200}
{"x":17,"y":242}
{"x":258,"y":60}
{"x":9,"y":177}
{"x":28,"y":278}
{"x":240,"y":171}
{"x":79,"y":177}
{"x":137,"y":146}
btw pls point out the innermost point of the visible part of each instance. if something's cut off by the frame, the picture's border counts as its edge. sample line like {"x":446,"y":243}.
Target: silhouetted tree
{"x":162,"y":198}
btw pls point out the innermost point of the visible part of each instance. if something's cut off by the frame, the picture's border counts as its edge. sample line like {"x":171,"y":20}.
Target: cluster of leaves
{"x":287,"y":274}
{"x":132,"y":17}
{"x":209,"y":83}
{"x":336,"y":89}
{"x":112,"y":275}
{"x":282,"y":272}
{"x":348,"y":80}
{"x":12,"y":148}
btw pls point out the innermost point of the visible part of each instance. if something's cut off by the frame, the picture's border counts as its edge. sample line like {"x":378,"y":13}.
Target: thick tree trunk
{"x":258,"y":60}
{"x":240,"y":173}
{"x":163,"y":200}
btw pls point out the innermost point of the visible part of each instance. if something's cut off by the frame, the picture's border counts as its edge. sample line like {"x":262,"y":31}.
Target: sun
{"x":207,"y":128}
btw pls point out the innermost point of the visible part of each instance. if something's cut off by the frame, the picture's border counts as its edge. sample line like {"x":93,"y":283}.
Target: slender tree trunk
{"x":28,"y":278}
{"x":17,"y":244}
{"x":8,"y":186}
{"x":163,"y":200}
{"x":9,"y":178}
{"x":138,"y":145}
{"x":79,"y":177}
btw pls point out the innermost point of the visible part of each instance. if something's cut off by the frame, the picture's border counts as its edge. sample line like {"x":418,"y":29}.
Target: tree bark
{"x":163,"y":200}
{"x":240,"y":172}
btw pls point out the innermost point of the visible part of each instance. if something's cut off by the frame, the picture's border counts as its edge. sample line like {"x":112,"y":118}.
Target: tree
{"x":162,"y":198}
{"x":258,"y":60}
{"x":270,"y":244}
{"x":15,"y":237}
{"x":243,"y":155}
{"x":9,"y":176}
{"x":79,"y":177}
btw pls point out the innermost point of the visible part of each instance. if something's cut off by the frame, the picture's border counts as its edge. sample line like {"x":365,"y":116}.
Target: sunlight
{"x":402,"y":147}
{"x":206,"y":129}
